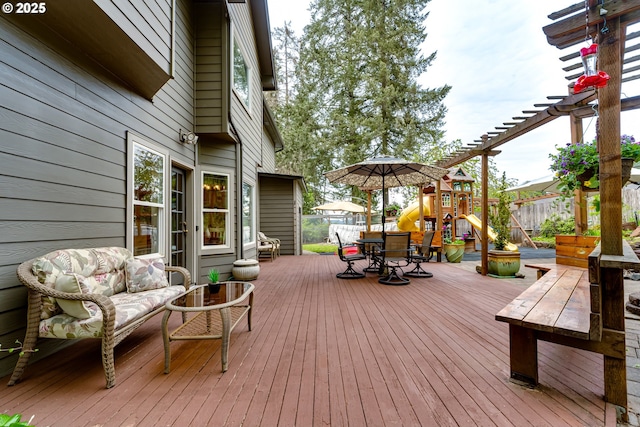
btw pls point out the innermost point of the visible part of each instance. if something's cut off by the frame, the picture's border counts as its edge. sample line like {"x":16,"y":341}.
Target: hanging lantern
{"x":591,"y":76}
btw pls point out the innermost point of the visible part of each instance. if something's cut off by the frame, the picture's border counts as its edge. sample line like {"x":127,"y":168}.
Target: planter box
{"x":575,"y":250}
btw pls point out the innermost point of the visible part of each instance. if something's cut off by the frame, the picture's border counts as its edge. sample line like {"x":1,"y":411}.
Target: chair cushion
{"x":145,"y":274}
{"x":129,"y":308}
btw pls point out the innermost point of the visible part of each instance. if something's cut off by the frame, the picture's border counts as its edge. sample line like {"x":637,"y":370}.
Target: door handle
{"x":184,"y":227}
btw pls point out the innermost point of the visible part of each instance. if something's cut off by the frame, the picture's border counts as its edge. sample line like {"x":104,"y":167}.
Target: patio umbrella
{"x":383,"y":172}
{"x":341,"y":205}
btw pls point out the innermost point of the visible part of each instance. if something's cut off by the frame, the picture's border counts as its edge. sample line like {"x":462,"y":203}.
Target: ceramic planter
{"x":503,"y":263}
{"x":453,"y":253}
{"x":245,"y":269}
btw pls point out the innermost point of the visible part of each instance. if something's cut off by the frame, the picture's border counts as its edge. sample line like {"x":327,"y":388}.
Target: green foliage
{"x":17,"y":348}
{"x":556,"y":225}
{"x":213,"y":275}
{"x":449,"y":241}
{"x":7,"y":420}
{"x":501,"y":219}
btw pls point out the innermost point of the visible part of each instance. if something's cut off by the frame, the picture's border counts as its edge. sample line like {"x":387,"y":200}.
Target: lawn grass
{"x":320,"y":248}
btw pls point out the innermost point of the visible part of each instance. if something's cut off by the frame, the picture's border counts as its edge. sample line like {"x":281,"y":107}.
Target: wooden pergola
{"x":615,"y":58}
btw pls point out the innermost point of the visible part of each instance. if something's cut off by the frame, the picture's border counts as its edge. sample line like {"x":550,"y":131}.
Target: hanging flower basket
{"x":576,"y":165}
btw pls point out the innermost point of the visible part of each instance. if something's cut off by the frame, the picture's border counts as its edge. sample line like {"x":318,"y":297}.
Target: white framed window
{"x":216,"y":212}
{"x":241,"y":75}
{"x":248,"y":214}
{"x":446,"y":200}
{"x":147,"y":195}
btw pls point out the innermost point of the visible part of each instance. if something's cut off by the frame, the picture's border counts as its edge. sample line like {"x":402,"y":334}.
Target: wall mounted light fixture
{"x":188,"y":137}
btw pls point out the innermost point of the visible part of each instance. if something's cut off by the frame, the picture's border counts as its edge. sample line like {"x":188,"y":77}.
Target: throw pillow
{"x":74,"y":284}
{"x":145,"y":274}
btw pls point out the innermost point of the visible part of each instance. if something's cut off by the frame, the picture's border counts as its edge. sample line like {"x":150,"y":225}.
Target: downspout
{"x":172,"y":55}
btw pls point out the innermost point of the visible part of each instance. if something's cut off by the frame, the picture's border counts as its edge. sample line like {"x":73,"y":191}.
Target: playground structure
{"x":456,"y":194}
{"x":456,"y":201}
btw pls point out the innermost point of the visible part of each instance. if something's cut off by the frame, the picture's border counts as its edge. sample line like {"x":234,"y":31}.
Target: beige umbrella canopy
{"x":341,"y":205}
{"x":383,"y":172}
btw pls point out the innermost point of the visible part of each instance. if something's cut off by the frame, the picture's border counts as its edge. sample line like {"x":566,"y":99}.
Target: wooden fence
{"x":532,"y":214}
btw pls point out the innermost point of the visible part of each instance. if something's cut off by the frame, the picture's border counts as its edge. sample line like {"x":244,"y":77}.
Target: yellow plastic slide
{"x":477,"y":223}
{"x":411,"y":214}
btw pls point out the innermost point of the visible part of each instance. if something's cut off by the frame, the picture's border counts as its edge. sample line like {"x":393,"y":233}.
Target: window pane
{"x":247,"y":213}
{"x":213,"y":228}
{"x":145,"y":230}
{"x":148,"y":175}
{"x":214,"y":191}
{"x":240,"y":74}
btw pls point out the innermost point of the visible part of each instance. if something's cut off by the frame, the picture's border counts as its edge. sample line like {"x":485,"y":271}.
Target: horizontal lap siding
{"x":148,"y":24}
{"x":277,"y":212}
{"x":209,"y":76}
{"x":63,"y":128}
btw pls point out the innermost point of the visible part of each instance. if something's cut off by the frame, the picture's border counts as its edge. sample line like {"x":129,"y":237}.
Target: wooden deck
{"x":325,"y":351}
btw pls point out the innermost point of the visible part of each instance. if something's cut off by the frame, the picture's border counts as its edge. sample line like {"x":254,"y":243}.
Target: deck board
{"x":326,"y":351}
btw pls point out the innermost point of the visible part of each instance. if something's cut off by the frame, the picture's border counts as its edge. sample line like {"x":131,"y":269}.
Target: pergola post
{"x":611,"y":279}
{"x":484,"y":233}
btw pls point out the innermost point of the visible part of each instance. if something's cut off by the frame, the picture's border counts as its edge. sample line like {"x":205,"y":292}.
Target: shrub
{"x":556,"y":225}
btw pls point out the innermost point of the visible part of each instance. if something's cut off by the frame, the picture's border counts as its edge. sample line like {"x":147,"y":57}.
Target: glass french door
{"x":179,"y":230}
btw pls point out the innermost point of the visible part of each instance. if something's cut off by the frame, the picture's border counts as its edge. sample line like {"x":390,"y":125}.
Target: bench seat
{"x":558,"y":303}
{"x":564,"y":307}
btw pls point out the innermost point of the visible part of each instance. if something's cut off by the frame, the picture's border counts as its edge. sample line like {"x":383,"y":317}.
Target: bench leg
{"x":523,"y":351}
{"x":615,"y":383}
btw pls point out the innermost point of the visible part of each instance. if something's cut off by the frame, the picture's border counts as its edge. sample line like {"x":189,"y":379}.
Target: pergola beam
{"x":560,"y":108}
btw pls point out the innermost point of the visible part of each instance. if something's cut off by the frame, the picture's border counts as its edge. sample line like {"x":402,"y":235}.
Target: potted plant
{"x":14,"y":420}
{"x":453,"y":249}
{"x":392,"y":210}
{"x":501,"y":262}
{"x":577,"y":165}
{"x":214,"y":286}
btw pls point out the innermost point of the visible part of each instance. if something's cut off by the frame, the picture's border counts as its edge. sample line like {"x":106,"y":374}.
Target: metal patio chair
{"x":350,"y":272}
{"x":424,"y":254}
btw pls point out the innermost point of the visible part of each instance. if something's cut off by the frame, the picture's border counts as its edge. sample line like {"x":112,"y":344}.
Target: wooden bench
{"x":564,"y":306}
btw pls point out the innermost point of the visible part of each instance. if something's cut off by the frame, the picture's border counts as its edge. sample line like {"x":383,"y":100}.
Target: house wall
{"x":230,"y":132}
{"x":278,"y":212}
{"x":63,"y":148}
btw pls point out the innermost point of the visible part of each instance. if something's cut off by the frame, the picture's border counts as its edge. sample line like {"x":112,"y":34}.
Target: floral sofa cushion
{"x":129,"y":307}
{"x":103,"y":266}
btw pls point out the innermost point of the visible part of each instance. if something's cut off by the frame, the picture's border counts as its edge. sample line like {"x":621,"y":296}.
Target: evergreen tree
{"x":356,"y":93}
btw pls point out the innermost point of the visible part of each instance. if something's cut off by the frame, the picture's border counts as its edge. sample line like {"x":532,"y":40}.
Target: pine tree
{"x":356,"y":92}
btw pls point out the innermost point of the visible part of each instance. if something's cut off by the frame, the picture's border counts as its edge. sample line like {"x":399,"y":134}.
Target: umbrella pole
{"x":383,"y":205}
{"x":368,"y":210}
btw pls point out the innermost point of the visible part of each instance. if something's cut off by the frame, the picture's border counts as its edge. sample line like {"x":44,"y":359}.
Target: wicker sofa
{"x":102,"y":293}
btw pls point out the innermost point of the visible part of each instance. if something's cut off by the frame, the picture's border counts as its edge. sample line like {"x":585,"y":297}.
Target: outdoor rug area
{"x":326,"y":351}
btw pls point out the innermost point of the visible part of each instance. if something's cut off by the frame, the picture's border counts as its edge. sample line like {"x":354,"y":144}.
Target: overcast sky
{"x":498,"y":62}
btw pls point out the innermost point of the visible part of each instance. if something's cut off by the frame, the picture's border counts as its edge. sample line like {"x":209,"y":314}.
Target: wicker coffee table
{"x":208,"y":315}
